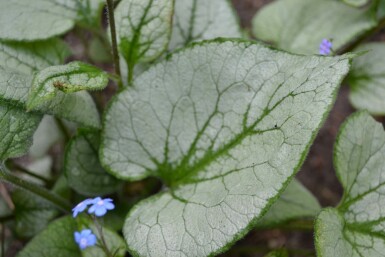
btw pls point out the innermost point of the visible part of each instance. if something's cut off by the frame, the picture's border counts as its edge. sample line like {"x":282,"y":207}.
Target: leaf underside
{"x":225,"y":124}
{"x":356,"y":227}
{"x":290,"y":24}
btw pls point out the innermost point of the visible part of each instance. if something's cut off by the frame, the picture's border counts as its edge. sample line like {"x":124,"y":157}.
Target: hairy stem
{"x":52,"y":198}
{"x":100,"y":231}
{"x":115,"y":54}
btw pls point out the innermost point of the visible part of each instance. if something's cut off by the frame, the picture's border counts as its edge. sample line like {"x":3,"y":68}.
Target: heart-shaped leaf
{"x":196,"y":20}
{"x":144,"y":29}
{"x":68,"y":78}
{"x":225,"y":124}
{"x":83,"y":170}
{"x":356,"y":226}
{"x":367,"y":79}
{"x":290,"y":24}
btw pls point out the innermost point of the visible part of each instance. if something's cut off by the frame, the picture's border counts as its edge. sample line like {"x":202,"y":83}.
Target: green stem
{"x":12,"y":165}
{"x":52,"y":198}
{"x":115,"y":54}
{"x":63,"y":128}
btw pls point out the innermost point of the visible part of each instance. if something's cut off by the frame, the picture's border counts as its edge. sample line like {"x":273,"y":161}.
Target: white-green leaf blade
{"x":83,"y":170}
{"x":16,"y":131}
{"x":196,"y":20}
{"x":143,"y":28}
{"x":33,"y":56}
{"x":367,"y":79}
{"x":294,"y":203}
{"x":26,"y":20}
{"x":198,"y":137}
{"x":290,"y":24}
{"x":356,"y":227}
{"x":68,"y":78}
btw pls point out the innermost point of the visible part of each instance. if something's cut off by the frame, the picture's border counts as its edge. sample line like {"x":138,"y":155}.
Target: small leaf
{"x":33,"y":56}
{"x":16,"y":131}
{"x":201,"y":20}
{"x":26,"y":20}
{"x":143,"y":28}
{"x":78,"y":107}
{"x":291,"y":24}
{"x":32,"y":213}
{"x":68,"y":78}
{"x":83,"y":170}
{"x":225,"y":124}
{"x":22,"y":60}
{"x":294,"y":203}
{"x":356,"y":226}
{"x":367,"y":79}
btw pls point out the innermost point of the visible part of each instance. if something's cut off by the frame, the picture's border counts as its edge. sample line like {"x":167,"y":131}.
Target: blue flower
{"x":85,"y":238}
{"x":81,"y":207}
{"x":325,"y":47}
{"x":100,"y":206}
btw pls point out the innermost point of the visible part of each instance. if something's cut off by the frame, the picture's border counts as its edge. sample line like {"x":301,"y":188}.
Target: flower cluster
{"x":325,"y":48}
{"x":98,"y":206}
